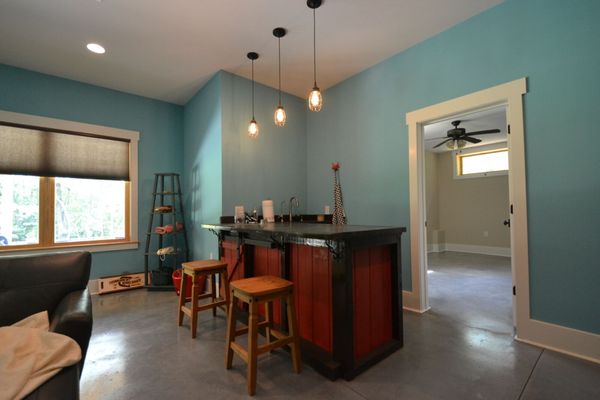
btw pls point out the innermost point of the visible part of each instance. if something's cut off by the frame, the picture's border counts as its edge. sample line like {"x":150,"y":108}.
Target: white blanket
{"x":30,"y":355}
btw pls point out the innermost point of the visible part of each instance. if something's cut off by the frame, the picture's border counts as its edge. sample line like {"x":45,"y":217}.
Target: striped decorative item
{"x":339,"y":214}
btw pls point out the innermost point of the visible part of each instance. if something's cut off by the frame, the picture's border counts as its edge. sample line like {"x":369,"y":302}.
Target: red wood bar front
{"x":372,"y":299}
{"x":374,"y":274}
{"x":310,"y":270}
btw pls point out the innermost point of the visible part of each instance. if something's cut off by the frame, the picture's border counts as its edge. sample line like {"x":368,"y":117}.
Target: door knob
{"x":507,"y":222}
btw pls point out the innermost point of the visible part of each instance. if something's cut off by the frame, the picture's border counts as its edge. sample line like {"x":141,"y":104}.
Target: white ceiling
{"x":168,"y":49}
{"x":494,"y":118}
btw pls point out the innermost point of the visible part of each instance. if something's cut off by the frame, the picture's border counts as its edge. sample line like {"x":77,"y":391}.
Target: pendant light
{"x":315,"y":99}
{"x":279,"y":117}
{"x":253,"y":127}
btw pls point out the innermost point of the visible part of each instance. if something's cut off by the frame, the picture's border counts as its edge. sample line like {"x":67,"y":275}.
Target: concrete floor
{"x":461,"y":349}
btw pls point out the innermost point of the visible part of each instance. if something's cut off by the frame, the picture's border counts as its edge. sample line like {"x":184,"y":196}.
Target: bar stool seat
{"x":195,"y":269}
{"x":255,"y":291}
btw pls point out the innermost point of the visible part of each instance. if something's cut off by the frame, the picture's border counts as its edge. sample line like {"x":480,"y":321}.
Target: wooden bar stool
{"x":255,"y":291}
{"x":194,"y":269}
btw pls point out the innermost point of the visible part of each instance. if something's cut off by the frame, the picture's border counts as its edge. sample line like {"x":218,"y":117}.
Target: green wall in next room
{"x":160,"y":125}
{"x":553,"y":43}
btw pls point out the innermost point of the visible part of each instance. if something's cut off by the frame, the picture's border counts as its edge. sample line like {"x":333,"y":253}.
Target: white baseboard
{"x":436,"y":247}
{"x":410,"y":302}
{"x":475,"y":249}
{"x":573,"y":342}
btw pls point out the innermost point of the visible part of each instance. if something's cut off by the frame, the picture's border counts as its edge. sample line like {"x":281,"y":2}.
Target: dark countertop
{"x":307,"y":230}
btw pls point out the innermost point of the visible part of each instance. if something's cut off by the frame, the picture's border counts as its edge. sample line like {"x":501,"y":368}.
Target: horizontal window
{"x":46,"y":212}
{"x":481,"y":163}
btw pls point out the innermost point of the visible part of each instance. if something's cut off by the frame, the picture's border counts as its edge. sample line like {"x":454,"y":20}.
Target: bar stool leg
{"x":225,"y":287}
{"x":269,"y":319}
{"x":252,"y":346}
{"x":293,"y":331}
{"x":213,"y":292}
{"x":195,"y":289}
{"x":181,"y":302}
{"x":230,"y":330}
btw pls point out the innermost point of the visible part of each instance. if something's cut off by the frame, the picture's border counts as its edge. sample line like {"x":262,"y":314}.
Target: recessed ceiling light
{"x":95,"y":48}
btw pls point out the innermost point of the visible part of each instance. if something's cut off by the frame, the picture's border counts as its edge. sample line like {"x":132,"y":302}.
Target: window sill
{"x":92,"y":248}
{"x":482,"y":175}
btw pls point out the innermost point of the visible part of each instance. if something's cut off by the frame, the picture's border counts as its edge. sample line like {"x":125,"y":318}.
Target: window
{"x":479,"y":162}
{"x":65,"y":184}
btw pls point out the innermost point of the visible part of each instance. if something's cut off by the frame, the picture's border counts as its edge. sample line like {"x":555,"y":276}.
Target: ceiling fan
{"x":457,"y":137}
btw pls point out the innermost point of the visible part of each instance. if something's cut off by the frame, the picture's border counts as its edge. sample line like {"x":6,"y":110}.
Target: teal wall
{"x":160,"y":125}
{"x":202,"y":171}
{"x":552,"y":43}
{"x":274,"y":164}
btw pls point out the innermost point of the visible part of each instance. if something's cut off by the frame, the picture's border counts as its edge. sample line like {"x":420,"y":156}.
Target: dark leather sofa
{"x":56,"y":283}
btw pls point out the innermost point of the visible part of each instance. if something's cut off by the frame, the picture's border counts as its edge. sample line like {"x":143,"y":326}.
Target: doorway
{"x":508,"y":95}
{"x":468,"y":264}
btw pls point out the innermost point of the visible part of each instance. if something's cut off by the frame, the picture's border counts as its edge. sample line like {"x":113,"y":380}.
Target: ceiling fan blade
{"x":438,"y":138}
{"x":441,"y":143}
{"x":483,"y":132}
{"x":470,"y":139}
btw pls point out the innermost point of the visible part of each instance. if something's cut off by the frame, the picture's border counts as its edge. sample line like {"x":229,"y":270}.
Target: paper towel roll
{"x":239,"y":215}
{"x":268,"y":211}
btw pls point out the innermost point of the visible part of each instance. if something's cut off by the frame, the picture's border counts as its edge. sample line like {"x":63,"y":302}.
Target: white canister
{"x":239,"y":215}
{"x":268,"y":211}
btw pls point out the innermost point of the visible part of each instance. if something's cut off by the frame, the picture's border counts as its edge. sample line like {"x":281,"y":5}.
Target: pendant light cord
{"x":315,"y":46}
{"x":253,"y":89}
{"x":279,"y":49}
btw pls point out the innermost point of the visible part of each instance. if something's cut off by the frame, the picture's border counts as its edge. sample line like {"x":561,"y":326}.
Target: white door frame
{"x":511,"y":96}
{"x":541,"y":333}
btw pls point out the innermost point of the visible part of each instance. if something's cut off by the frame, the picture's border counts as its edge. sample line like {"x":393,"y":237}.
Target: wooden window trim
{"x":47,"y":200}
{"x":459,"y":156}
{"x":131,"y":202}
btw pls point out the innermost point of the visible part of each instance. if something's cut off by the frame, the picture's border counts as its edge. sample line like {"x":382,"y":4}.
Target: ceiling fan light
{"x":456,"y":144}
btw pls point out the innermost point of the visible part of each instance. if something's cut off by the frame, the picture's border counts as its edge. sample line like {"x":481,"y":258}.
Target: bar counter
{"x":347,"y":286}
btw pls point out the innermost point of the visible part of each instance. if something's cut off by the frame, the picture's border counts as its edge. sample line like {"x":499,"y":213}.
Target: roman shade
{"x":28,"y":150}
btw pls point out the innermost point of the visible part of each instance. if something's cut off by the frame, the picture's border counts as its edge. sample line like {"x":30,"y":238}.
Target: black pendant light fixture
{"x":315,"y":99}
{"x":253,"y":127}
{"x":279,"y":117}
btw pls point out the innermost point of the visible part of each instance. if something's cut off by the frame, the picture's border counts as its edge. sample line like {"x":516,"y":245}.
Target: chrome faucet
{"x":293,"y":203}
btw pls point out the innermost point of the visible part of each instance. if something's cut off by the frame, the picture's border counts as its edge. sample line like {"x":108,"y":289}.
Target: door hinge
{"x":511,"y":209}
{"x":514,"y":290}
{"x":508,"y":128}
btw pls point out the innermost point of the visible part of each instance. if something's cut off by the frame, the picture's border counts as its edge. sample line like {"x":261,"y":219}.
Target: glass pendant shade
{"x":315,"y":100}
{"x":253,"y":129}
{"x":279,"y":117}
{"x":253,"y":126}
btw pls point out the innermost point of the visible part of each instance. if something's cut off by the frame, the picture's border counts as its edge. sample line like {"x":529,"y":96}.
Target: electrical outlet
{"x":485,"y":233}
{"x":211,"y":256}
